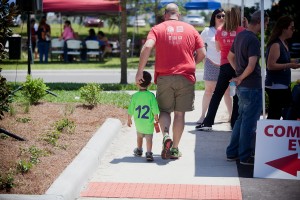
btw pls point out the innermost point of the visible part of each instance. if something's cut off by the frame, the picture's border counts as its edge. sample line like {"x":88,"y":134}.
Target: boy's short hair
{"x":147,"y":79}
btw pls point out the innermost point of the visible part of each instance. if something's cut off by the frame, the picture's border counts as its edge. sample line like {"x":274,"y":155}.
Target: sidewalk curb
{"x":69,"y":183}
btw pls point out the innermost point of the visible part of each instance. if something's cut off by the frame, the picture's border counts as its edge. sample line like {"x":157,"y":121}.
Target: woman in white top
{"x":212,"y":62}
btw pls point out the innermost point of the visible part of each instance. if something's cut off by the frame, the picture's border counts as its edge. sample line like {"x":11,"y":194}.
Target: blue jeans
{"x":43,"y":48}
{"x":243,"y":134}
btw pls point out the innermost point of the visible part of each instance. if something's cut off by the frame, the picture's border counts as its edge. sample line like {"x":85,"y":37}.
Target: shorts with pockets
{"x":175,"y":93}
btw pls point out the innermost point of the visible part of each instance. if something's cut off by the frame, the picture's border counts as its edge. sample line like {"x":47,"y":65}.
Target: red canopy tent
{"x":77,"y":7}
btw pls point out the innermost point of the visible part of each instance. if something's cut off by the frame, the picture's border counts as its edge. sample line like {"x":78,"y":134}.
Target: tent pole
{"x":242,"y":12}
{"x":263,"y":63}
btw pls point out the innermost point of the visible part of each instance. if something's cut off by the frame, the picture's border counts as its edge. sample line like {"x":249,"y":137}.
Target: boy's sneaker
{"x":138,"y":152}
{"x":175,"y":153}
{"x":167,"y":144}
{"x":249,"y":161}
{"x":149,"y":156}
{"x":202,"y":127}
{"x":232,"y":158}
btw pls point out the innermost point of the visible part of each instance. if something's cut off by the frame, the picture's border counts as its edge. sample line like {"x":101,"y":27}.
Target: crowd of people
{"x":231,"y":50}
{"x":41,"y":38}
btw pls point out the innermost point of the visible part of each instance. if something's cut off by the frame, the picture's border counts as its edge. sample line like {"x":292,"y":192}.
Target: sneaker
{"x":138,"y":152}
{"x":167,"y":144}
{"x":249,"y":161}
{"x":149,"y":156}
{"x":232,"y":158}
{"x":202,"y":127}
{"x":175,"y":153}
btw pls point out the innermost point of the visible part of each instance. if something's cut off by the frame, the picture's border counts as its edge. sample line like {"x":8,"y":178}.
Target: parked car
{"x":92,"y":22}
{"x":17,"y":21}
{"x":132,"y":21}
{"x":194,"y":20}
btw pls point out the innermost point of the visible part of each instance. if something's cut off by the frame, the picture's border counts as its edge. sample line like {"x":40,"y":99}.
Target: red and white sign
{"x":277,"y":150}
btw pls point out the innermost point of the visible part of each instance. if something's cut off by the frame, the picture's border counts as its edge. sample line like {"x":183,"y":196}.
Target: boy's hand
{"x":129,"y":122}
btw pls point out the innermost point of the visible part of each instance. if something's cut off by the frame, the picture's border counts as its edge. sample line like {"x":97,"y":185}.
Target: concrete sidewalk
{"x":203,"y":162}
{"x":201,"y":173}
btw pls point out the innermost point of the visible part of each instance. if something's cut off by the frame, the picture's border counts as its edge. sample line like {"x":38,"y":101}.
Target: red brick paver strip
{"x":161,"y":191}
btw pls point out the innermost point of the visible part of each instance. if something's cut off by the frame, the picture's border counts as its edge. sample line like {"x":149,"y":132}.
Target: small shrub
{"x":23,"y":120}
{"x":5,"y":96}
{"x":26,"y":107}
{"x":90,"y":93}
{"x":34,"y":153}
{"x":23,"y":166}
{"x":69,"y":109}
{"x":65,"y":125}
{"x":7,"y":180}
{"x":3,"y":136}
{"x":34,"y":89}
{"x":52,"y":137}
{"x":12,"y":110}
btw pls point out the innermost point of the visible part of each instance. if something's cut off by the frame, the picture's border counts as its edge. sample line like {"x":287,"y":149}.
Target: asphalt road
{"x":89,"y":76}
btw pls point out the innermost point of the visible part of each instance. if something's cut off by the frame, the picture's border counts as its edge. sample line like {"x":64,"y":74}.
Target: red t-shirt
{"x":175,"y":45}
{"x":225,"y":40}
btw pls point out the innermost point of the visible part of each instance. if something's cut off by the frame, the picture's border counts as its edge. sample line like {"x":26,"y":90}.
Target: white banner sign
{"x":277,"y":151}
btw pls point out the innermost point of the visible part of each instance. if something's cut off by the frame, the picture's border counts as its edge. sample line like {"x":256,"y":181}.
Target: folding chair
{"x":93,"y":49}
{"x":74,"y":47}
{"x":57,"y":48}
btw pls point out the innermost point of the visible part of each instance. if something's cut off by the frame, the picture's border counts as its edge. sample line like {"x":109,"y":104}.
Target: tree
{"x":287,"y":7}
{"x":123,"y":42}
{"x":7,"y":13}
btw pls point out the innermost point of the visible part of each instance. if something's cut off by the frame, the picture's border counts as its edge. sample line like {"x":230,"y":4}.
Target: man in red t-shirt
{"x":179,"y":48}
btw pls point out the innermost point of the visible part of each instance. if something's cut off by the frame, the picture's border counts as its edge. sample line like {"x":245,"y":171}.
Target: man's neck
{"x":252,"y":28}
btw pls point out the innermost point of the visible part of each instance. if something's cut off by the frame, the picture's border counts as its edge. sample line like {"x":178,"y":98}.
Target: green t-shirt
{"x":143,"y":107}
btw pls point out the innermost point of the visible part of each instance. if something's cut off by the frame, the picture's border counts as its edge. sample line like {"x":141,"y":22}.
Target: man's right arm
{"x":200,"y":55}
{"x":231,"y":59}
{"x":145,"y":53}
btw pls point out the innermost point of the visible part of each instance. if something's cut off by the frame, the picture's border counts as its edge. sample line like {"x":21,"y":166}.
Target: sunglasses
{"x":220,"y":16}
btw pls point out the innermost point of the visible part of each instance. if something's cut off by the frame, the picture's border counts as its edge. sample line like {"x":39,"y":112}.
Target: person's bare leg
{"x":149,"y":143}
{"x":139,"y":141}
{"x":165,"y":121}
{"x":209,"y":89}
{"x":228,"y":103}
{"x":178,"y":127}
{"x":149,"y":154}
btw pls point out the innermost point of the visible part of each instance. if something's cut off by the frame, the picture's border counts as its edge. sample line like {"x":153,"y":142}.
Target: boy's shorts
{"x":175,"y":93}
{"x":142,"y":135}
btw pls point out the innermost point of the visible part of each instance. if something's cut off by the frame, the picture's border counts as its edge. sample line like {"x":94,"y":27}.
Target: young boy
{"x":144,"y":109}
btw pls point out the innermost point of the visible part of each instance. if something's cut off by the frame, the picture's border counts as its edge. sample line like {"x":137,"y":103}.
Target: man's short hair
{"x":172,"y":9}
{"x":147,"y":79}
{"x":256,"y":17}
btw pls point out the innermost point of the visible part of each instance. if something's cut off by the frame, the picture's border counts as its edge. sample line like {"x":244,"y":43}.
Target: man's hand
{"x":139,"y":77}
{"x":237,"y":80}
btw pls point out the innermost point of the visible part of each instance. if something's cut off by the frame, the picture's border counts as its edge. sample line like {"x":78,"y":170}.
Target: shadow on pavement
{"x":134,"y":159}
